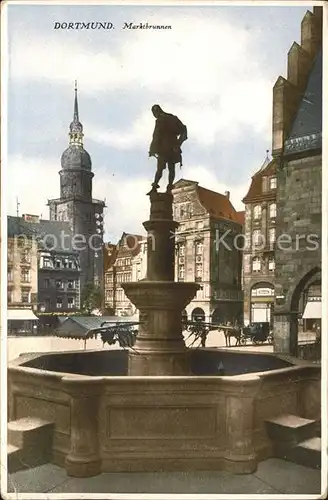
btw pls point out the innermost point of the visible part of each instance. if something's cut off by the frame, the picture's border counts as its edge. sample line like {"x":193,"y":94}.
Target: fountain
{"x":160,"y":406}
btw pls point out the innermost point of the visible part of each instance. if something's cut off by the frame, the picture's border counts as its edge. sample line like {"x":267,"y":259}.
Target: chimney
{"x":31,"y":218}
{"x":227,"y":194}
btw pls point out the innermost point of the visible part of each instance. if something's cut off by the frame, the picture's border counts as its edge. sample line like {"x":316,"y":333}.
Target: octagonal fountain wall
{"x":160,"y":406}
{"x":108,"y":421}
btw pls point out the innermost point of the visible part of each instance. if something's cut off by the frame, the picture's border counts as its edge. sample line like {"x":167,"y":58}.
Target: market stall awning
{"x":84,"y":327}
{"x":21,"y":315}
{"x":313,"y":310}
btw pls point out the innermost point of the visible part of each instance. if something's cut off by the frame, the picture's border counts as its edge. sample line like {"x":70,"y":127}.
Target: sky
{"x":214,"y":69}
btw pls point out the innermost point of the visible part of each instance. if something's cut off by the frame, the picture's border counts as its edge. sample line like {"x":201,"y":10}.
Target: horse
{"x":231,"y":331}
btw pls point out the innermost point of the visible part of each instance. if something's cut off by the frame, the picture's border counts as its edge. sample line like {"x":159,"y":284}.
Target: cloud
{"x":205,"y":70}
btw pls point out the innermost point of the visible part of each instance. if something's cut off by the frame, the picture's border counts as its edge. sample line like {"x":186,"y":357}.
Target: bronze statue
{"x":169,"y":134}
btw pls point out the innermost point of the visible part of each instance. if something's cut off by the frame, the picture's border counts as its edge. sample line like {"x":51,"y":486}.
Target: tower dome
{"x":75,"y":156}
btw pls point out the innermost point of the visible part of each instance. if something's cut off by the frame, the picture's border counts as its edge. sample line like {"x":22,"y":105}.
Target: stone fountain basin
{"x":106,"y":421}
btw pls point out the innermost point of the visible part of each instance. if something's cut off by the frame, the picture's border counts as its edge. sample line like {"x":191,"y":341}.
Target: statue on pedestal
{"x":169,"y":134}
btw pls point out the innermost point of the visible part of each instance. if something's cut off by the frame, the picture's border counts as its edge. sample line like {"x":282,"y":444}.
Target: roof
{"x":217,"y":205}
{"x":81,"y":327}
{"x":255,"y":189}
{"x":241,"y":217}
{"x":306,"y":132}
{"x":50,"y":235}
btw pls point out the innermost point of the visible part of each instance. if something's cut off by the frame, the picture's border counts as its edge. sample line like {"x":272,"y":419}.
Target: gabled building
{"x":76,"y":206}
{"x":297,"y":151}
{"x":43,"y":268}
{"x":209,"y":251}
{"x":119,"y":270}
{"x":259,"y":250}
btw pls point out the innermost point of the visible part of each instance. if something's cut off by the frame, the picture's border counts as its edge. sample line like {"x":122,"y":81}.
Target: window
{"x":59,"y":303}
{"x":59,"y":284}
{"x":264,"y":183}
{"x":47,"y":262}
{"x":273,"y":210}
{"x":71,"y":284}
{"x":47,"y":304}
{"x":109,"y":295}
{"x":272,"y":235}
{"x":26,"y":256}
{"x":70,"y":302}
{"x":199,"y":272}
{"x":257,"y":237}
{"x":65,"y":263}
{"x":199,"y":248}
{"x":10,"y":274}
{"x":47,"y":283}
{"x":25,"y":296}
{"x":26,"y":276}
{"x":273,"y":182}
{"x":257,"y":211}
{"x":181,"y":273}
{"x":181,"y":250}
{"x":71,"y":264}
{"x":200,"y":225}
{"x":256,"y":264}
{"x":272,"y":264}
{"x":57,"y":263}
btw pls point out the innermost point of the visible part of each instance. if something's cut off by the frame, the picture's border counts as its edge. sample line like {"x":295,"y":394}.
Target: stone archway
{"x":198,"y":314}
{"x":294,"y":299}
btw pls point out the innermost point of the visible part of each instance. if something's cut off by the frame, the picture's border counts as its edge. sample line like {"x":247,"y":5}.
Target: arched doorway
{"x":198,"y":314}
{"x":262,"y":300}
{"x":307,"y":288}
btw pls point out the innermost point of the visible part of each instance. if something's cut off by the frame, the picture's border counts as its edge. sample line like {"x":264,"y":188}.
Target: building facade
{"x":119,"y":270}
{"x":77,"y":207}
{"x":259,"y":249}
{"x":43,"y":268}
{"x":297,"y":150}
{"x":208,"y":251}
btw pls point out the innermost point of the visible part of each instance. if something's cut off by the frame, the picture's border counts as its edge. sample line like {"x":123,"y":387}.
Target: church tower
{"x":76,"y":205}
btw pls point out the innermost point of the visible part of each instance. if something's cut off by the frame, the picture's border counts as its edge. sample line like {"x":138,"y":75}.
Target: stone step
{"x":33,"y":438}
{"x":290,"y":429}
{"x":14,"y":455}
{"x":308,"y":453}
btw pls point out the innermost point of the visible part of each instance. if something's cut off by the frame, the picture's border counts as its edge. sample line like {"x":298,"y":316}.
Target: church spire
{"x":76,"y":108}
{"x":75,"y":128}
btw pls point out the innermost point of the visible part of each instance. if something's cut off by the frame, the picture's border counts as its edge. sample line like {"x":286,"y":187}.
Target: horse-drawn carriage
{"x":257,"y":333}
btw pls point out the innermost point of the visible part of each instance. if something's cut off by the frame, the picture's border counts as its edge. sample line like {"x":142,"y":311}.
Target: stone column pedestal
{"x":240,"y":427}
{"x":285,"y":332}
{"x":160,"y":348}
{"x":83,"y":459}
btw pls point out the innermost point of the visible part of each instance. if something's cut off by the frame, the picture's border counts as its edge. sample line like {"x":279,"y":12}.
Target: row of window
{"x":124,"y":261}
{"x":25,"y":275}
{"x":58,"y":263}
{"x":257,"y":264}
{"x":198,"y":248}
{"x":71,"y":303}
{"x":25,"y":296}
{"x":198,"y":272}
{"x":119,"y":295}
{"x":258,"y":237}
{"x":257,"y":211}
{"x":61,"y":284}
